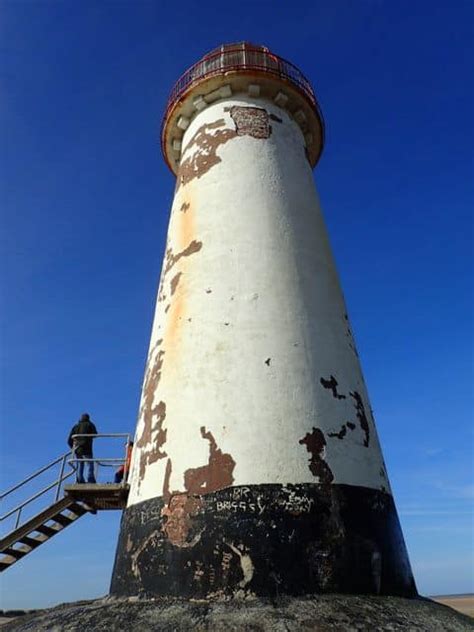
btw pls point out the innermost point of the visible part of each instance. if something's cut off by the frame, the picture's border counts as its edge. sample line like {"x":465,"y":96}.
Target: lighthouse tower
{"x":256,"y":469}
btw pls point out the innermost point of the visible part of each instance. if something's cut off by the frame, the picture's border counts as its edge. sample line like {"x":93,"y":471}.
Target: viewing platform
{"x":99,"y":496}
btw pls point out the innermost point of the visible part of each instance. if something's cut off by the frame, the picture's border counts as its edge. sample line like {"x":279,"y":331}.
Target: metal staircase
{"x":76,"y":501}
{"x":39,"y":530}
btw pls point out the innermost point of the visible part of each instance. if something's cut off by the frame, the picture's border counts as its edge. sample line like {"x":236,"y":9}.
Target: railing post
{"x":17,"y":521}
{"x":60,"y":479}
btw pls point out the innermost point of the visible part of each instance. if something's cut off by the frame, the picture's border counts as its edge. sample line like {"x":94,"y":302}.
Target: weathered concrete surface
{"x":344,"y":613}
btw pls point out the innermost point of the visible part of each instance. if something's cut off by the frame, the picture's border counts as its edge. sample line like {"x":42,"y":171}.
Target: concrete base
{"x":325,"y":613}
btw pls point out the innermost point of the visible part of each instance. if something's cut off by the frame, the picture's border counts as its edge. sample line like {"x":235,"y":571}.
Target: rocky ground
{"x":325,"y":613}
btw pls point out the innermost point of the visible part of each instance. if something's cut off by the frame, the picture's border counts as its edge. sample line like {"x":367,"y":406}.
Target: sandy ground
{"x":461,"y":603}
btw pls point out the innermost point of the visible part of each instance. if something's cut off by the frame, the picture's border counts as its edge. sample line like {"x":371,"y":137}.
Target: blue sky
{"x":85,"y":198}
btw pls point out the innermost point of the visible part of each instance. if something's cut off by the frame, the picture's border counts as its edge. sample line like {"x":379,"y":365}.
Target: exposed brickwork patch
{"x":153,"y":416}
{"x":174,"y":282}
{"x":250,"y":121}
{"x":343,"y":431}
{"x":350,"y":335}
{"x":166,"y":481}
{"x":205,"y":156}
{"x":315,"y":444}
{"x":171,"y":259}
{"x":361,"y":416}
{"x":178,"y":516}
{"x":339,"y":435}
{"x":217,"y":474}
{"x":332,"y":384}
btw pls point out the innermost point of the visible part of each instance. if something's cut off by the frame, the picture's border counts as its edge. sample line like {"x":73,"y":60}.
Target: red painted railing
{"x":244,"y":57}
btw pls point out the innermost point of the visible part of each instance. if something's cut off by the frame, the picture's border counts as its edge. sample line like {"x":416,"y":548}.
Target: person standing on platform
{"x":82,"y":447}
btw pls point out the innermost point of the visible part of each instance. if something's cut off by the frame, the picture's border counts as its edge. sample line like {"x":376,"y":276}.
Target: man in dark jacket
{"x":82,"y":447}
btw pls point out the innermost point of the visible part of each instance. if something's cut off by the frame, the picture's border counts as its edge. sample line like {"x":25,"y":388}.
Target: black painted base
{"x":265,"y":540}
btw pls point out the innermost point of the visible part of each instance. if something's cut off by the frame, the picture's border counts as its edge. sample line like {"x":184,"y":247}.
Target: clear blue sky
{"x":85,"y":198}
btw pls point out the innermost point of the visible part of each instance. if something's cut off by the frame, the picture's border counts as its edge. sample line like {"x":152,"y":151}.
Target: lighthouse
{"x":257,"y":469}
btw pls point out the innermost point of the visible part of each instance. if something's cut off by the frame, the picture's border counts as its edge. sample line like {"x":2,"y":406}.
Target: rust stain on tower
{"x":184,"y":230}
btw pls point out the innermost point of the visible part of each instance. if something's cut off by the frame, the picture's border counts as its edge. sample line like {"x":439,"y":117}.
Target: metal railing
{"x":57,"y":483}
{"x":243,"y":57}
{"x":65,"y":459}
{"x":105,"y":462}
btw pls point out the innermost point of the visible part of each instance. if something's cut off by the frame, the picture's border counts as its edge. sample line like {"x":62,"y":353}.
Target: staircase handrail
{"x":32,"y":476}
{"x":37,"y":495}
{"x":68,"y":458}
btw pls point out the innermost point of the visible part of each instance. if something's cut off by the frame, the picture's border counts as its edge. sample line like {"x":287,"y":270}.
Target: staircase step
{"x":64,"y":521}
{"x":6,"y":562}
{"x":39,"y":529}
{"x":78,"y":509}
{"x":16,"y":553}
{"x":49,"y":531}
{"x":35,"y":541}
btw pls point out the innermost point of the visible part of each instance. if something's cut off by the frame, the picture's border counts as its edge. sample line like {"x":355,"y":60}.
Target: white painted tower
{"x":257,"y":466}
